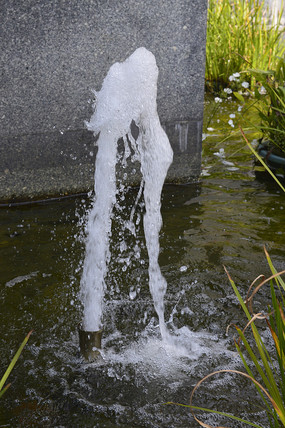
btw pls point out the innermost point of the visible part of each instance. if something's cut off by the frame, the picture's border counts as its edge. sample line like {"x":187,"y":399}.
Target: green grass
{"x":268,"y":379}
{"x":239,"y":38}
{"x":272,"y":103}
{"x":264,"y":368}
{"x":3,"y":388}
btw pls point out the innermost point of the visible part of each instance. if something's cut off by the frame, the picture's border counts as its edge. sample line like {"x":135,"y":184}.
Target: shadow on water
{"x":224,"y":220}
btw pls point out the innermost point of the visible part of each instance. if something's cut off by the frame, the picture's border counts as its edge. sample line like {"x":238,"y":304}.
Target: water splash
{"x":128,"y":95}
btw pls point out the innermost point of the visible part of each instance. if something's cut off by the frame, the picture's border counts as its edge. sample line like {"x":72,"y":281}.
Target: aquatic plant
{"x":238,"y":37}
{"x":271,"y":385}
{"x":264,"y":368}
{"x":267,"y":99}
{"x":3,"y":388}
{"x":270,"y":91}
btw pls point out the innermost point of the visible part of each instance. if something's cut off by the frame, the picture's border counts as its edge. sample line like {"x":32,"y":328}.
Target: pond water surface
{"x":225,"y":219}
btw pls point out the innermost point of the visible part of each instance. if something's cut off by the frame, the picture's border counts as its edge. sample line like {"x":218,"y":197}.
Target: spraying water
{"x":128,"y":95}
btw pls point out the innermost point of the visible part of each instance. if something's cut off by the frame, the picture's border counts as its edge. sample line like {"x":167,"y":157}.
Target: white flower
{"x":232,"y":116}
{"x":234,"y":77}
{"x":245,"y":85}
{"x":220,"y":153}
{"x":230,"y":122}
{"x":227,"y":163}
{"x":228,"y":90}
{"x":218,"y":100}
{"x":262,"y":90}
{"x":240,"y":108}
{"x":210,"y":129}
{"x":204,"y":172}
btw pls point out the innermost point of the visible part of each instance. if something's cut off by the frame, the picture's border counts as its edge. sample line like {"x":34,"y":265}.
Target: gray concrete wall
{"x":55,"y":51}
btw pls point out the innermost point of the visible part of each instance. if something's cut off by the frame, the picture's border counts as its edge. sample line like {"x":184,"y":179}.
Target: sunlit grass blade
{"x":13,"y":362}
{"x":252,"y":357}
{"x":276,"y":341}
{"x":243,"y":305}
{"x":246,"y":375}
{"x":266,"y":374}
{"x":228,"y":415}
{"x":261,"y":160}
{"x":273,"y":270}
{"x":250,"y":373}
{"x":4,"y":389}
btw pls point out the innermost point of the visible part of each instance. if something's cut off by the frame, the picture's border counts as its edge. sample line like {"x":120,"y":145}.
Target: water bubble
{"x":220,"y":153}
{"x":133,"y":294}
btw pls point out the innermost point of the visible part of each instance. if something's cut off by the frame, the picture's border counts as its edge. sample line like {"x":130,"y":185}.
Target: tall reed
{"x":239,"y":37}
{"x":3,"y":388}
{"x":264,"y":366}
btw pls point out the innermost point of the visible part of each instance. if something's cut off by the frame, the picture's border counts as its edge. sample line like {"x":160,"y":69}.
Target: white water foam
{"x":128,"y":94}
{"x":176,"y":359}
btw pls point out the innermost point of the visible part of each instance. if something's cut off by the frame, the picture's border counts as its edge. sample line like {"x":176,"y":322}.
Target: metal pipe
{"x":90,"y":344}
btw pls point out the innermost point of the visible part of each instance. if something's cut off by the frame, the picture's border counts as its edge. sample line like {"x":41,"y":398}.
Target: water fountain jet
{"x":128,"y":95}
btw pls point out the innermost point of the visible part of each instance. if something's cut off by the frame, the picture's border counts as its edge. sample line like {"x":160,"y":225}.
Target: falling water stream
{"x":128,"y":95}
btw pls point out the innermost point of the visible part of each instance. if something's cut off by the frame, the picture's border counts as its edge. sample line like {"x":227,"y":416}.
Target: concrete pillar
{"x":55,"y":52}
